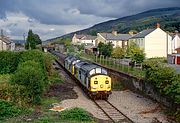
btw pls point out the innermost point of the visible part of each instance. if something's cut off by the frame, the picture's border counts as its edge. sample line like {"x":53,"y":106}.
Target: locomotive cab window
{"x":98,"y":70}
{"x":104,"y":71}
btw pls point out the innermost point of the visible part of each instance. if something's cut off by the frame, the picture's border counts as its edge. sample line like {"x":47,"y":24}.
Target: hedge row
{"x":164,"y":78}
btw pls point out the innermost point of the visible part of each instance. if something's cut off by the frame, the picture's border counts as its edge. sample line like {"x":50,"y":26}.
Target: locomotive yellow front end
{"x":100,"y":86}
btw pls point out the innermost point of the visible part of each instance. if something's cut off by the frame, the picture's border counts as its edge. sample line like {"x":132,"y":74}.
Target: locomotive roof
{"x":79,"y":64}
{"x":89,"y":67}
{"x":71,"y":58}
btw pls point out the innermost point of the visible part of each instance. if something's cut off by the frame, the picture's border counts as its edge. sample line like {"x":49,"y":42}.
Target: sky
{"x":53,"y":18}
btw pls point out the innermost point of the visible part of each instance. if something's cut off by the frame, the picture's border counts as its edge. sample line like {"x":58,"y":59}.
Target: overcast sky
{"x":52,"y":18}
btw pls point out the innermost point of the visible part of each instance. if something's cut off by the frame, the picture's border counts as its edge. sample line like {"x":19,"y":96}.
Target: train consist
{"x":93,"y":78}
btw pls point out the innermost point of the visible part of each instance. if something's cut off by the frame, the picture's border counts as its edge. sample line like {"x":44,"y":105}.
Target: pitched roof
{"x":5,"y":39}
{"x":143,"y":33}
{"x":86,"y":37}
{"x":110,"y":36}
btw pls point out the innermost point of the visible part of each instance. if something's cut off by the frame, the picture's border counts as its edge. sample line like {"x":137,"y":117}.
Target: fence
{"x":117,"y":64}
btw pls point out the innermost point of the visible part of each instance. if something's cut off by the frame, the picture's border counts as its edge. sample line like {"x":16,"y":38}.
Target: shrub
{"x":164,"y":78}
{"x":9,"y":62}
{"x":14,"y":93}
{"x":77,"y":114}
{"x":33,"y":55}
{"x":30,"y":74}
{"x":9,"y":110}
{"x":48,"y":59}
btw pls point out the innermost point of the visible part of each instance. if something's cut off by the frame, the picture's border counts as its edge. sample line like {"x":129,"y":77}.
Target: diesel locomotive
{"x":93,"y":78}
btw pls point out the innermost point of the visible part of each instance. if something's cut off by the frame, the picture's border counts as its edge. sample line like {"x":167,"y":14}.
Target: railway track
{"x":109,"y":110}
{"x":112,"y":112}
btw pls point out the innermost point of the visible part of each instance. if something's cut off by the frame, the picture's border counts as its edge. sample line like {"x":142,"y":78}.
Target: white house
{"x":154,"y":42}
{"x":6,"y":44}
{"x":117,"y":40}
{"x":83,"y":39}
{"x":175,"y":43}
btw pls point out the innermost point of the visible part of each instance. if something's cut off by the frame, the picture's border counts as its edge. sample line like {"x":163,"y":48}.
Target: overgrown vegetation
{"x":24,"y":77}
{"x":165,"y":80}
{"x":7,"y":109}
{"x":75,"y":114}
{"x":9,"y":62}
{"x":105,"y":49}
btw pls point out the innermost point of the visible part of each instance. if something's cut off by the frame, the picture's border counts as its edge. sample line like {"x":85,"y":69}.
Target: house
{"x":83,"y":39}
{"x":174,"y":59}
{"x":175,"y":43}
{"x":117,"y":40}
{"x":154,"y":42}
{"x":6,"y":44}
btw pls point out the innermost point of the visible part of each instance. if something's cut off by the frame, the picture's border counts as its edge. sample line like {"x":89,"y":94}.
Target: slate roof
{"x":5,"y":39}
{"x":86,"y":37}
{"x":110,"y":36}
{"x":143,"y":33}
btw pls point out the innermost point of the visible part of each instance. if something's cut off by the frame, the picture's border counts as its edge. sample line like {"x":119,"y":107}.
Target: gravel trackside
{"x":136,"y":107}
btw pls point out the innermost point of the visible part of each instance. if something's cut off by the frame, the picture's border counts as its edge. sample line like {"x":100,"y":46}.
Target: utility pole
{"x":167,"y":43}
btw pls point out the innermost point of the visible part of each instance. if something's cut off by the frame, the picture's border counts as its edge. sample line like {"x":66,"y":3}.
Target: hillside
{"x":169,"y":18}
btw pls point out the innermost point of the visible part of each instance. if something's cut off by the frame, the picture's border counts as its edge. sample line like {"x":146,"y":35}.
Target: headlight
{"x":107,"y":82}
{"x":95,"y":82}
{"x":94,"y":86}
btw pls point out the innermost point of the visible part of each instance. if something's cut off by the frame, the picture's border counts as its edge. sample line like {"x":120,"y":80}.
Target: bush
{"x":30,"y":74}
{"x":164,"y":78}
{"x":9,"y":62}
{"x":48,"y":59}
{"x":33,"y":55}
{"x":9,"y":110}
{"x":77,"y":114}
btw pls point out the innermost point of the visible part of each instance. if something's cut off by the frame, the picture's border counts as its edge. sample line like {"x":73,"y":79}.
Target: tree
{"x":93,"y":32}
{"x":105,"y":49}
{"x":81,"y":47}
{"x":136,"y":54}
{"x":118,"y":52}
{"x":32,"y":40}
{"x":37,"y":39}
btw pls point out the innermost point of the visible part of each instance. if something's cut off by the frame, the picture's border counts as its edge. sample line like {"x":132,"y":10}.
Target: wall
{"x":140,"y":86}
{"x":156,"y":44}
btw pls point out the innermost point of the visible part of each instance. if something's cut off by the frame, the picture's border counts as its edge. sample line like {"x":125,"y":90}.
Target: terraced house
{"x":117,"y":40}
{"x":175,"y":42}
{"x":83,"y":39}
{"x":154,"y":42}
{"x":6,"y":43}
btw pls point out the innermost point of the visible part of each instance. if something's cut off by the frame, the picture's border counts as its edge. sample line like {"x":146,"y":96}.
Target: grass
{"x":75,"y":114}
{"x":4,"y":78}
{"x":8,"y":110}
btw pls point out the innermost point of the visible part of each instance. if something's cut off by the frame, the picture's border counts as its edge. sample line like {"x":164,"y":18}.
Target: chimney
{"x":158,"y":25}
{"x":131,"y":33}
{"x":114,"y":32}
{"x":176,"y":32}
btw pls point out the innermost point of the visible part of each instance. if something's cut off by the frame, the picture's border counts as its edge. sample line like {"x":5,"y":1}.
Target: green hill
{"x":169,"y":18}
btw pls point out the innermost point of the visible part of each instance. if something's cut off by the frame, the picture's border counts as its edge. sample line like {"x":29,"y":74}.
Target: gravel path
{"x":135,"y":106}
{"x":84,"y":102}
